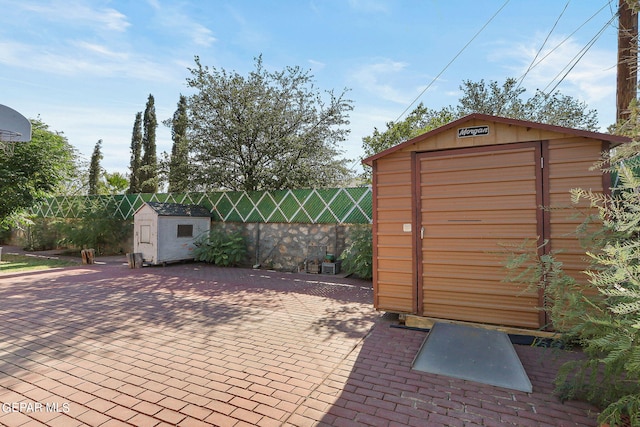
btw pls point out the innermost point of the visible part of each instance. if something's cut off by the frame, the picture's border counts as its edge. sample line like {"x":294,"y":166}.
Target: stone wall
{"x":287,"y":247}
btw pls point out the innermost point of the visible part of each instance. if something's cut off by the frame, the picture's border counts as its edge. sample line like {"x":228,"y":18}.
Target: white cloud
{"x":316,"y":65}
{"x":101,"y":50}
{"x":376,"y":6}
{"x":201,"y":35}
{"x":170,"y":16}
{"x":70,"y":61}
{"x":592,"y":79}
{"x":79,"y":13}
{"x":378,"y":77}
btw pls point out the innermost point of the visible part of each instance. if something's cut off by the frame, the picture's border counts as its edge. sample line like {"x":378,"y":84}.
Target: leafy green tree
{"x":136,"y":155}
{"x":37,"y":169}
{"x":506,"y":101}
{"x":95,"y":171}
{"x":264,"y":131}
{"x":114,"y":183}
{"x":179,"y":160}
{"x":420,"y":120}
{"x":149,"y":165}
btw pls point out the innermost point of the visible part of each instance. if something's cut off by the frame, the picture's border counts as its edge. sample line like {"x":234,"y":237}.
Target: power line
{"x":451,"y":62}
{"x":578,"y":57}
{"x":569,"y":36}
{"x":521,"y":79}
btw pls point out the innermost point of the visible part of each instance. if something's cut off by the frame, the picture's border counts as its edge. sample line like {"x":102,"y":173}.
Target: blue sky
{"x":86,"y":67}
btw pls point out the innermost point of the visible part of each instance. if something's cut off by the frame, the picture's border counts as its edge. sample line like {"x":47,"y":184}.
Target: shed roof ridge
{"x":178,"y":209}
{"x":498,"y":119}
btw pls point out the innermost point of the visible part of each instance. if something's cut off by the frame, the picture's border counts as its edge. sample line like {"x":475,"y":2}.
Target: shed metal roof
{"x":614,"y":139}
{"x":178,"y":209}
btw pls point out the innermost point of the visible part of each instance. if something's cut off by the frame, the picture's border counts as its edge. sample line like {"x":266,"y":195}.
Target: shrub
{"x":357,"y":258}
{"x":96,"y":228}
{"x":603,"y":315}
{"x":220,"y":248}
{"x":39,"y":234}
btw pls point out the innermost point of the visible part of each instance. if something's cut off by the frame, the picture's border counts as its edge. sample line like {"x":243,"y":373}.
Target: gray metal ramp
{"x":474,"y":354}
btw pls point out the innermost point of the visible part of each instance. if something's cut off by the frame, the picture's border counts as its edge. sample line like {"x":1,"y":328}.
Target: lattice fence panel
{"x":315,"y":206}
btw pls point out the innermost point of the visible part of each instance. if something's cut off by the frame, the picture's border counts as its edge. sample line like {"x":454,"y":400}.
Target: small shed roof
{"x":614,"y":139}
{"x":178,"y":209}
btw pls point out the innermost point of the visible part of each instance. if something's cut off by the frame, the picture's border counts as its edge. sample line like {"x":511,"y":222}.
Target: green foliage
{"x":136,"y":155}
{"x":37,"y":169}
{"x":149,"y":164}
{"x":114,"y":183}
{"x":506,"y":101}
{"x":358,"y":257}
{"x":39,"y":234}
{"x":265,"y":131}
{"x":94,"y":169}
{"x":419,"y":121}
{"x":527,"y":266}
{"x":95,"y":228}
{"x":603,"y":315}
{"x":220,"y":248}
{"x":179,"y":161}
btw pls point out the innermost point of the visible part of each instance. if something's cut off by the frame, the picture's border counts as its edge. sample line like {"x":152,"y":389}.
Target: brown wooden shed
{"x":445,"y":201}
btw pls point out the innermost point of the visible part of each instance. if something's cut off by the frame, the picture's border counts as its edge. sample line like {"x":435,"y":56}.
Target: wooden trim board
{"x":428,"y":322}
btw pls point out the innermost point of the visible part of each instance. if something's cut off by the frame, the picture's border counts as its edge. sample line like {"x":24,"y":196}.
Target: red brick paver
{"x":196,"y":345}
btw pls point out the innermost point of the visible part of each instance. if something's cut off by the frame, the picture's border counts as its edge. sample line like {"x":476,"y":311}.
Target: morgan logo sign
{"x":473,"y":131}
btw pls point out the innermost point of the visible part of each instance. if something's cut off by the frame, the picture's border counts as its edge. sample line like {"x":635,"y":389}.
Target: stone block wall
{"x":286,"y":247}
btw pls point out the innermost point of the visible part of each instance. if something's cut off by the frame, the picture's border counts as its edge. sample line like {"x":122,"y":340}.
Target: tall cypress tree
{"x":179,"y":163}
{"x":94,"y":168}
{"x":136,"y":154}
{"x":149,"y":167}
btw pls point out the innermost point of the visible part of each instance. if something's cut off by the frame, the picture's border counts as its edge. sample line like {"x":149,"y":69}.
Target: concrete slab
{"x":474,"y":354}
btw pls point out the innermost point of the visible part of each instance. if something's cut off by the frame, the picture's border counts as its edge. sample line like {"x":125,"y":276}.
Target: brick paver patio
{"x":196,"y":345}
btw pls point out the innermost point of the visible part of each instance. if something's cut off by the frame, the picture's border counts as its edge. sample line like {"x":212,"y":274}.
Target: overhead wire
{"x":574,"y":61}
{"x":544,"y":43}
{"x":452,"y":61}
{"x":570,"y":35}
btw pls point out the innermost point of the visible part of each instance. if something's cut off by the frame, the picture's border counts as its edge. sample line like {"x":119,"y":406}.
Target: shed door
{"x":472,"y":201}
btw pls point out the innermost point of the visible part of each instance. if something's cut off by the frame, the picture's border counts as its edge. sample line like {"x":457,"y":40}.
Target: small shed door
{"x":470,"y":202}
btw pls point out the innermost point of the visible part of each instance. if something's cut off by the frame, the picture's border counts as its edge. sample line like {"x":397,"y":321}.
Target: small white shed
{"x":165,"y":232}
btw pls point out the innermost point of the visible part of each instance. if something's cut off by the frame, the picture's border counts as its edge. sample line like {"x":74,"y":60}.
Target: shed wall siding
{"x":394,"y":275}
{"x":570,"y":161}
{"x":173,"y":248}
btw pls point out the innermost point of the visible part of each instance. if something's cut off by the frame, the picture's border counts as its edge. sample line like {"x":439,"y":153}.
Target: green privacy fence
{"x":313,"y":206}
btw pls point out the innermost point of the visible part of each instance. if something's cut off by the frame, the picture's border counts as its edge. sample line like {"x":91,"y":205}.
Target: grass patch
{"x":12,"y":263}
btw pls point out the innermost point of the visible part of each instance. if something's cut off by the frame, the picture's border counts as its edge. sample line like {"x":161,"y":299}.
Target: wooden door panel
{"x":471,"y":202}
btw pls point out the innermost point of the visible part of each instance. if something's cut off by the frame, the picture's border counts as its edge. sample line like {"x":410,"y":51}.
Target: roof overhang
{"x":613,"y":139}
